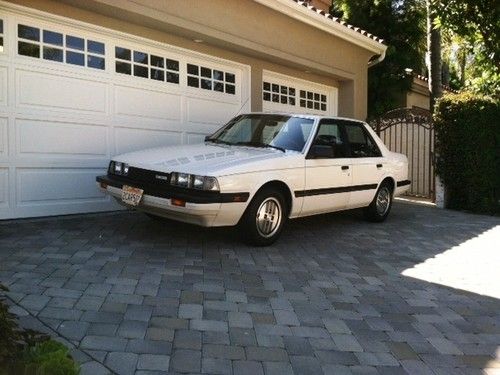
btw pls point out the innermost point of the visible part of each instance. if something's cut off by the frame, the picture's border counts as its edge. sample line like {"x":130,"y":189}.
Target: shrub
{"x":28,"y":352}
{"x":49,"y":358}
{"x":468,"y":151}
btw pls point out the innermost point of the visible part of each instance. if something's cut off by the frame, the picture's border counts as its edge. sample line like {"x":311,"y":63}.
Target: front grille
{"x":146,"y":176}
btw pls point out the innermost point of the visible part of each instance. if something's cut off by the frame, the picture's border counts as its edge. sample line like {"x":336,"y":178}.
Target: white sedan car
{"x":260,"y":170}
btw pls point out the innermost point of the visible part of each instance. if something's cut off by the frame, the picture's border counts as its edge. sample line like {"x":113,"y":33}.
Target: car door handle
{"x":345,"y":167}
{"x":379,"y":165}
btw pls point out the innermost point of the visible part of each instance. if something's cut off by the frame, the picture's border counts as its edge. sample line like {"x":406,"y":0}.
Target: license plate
{"x":131,"y":195}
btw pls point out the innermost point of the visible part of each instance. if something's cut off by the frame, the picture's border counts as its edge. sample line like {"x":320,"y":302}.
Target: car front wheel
{"x":381,"y":205}
{"x":263,"y":221}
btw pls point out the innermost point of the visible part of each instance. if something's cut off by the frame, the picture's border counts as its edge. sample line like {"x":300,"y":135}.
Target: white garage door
{"x":281,"y":93}
{"x":73,"y":95}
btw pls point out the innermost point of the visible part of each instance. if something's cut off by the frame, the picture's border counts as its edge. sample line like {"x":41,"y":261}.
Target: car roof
{"x":303,"y":115}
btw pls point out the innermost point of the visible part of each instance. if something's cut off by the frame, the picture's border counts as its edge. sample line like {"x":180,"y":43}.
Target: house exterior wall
{"x":418,"y":95}
{"x":415,"y":99}
{"x":235,"y":30}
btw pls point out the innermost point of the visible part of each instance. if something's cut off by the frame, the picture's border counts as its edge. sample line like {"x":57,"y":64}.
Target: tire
{"x":381,"y":205}
{"x":264,"y":232}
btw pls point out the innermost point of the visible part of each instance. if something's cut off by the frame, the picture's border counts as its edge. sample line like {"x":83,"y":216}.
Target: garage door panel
{"x":127,"y":139}
{"x":43,"y":137}
{"x":137,"y":102}
{"x":44,"y":186}
{"x":4,"y":188}
{"x":4,"y":137}
{"x":204,"y":111}
{"x":286,"y":94}
{"x":55,"y":92}
{"x":3,"y":86}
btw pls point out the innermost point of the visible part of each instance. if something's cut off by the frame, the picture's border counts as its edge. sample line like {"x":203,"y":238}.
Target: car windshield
{"x":260,"y":130}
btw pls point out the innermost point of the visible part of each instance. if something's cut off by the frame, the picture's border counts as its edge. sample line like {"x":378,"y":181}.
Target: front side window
{"x":329,"y":134}
{"x":278,"y":131}
{"x":360,"y":142}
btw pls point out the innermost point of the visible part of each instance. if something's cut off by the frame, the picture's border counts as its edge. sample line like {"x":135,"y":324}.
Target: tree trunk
{"x":462,"y":56}
{"x":434,"y":53}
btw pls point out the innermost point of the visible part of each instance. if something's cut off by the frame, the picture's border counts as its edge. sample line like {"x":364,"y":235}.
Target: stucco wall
{"x":242,"y":31}
{"x":414,"y":99}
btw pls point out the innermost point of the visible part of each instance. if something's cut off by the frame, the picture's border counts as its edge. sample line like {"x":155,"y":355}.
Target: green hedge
{"x":468,"y":151}
{"x":27,"y":352}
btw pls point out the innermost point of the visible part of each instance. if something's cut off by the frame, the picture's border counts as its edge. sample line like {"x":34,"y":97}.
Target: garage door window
{"x":272,"y":92}
{"x":1,"y":36}
{"x":313,"y":100}
{"x":211,"y":79}
{"x":54,"y":46}
{"x":146,"y":65}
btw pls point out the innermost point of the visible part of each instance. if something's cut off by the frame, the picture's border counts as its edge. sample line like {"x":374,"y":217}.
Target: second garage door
{"x":282,"y":93}
{"x":73,"y":96}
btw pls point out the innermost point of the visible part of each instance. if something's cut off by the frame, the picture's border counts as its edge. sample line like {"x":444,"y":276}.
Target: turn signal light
{"x":178,"y":202}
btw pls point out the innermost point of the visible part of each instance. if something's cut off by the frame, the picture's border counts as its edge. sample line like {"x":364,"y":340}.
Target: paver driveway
{"x":336,"y":295}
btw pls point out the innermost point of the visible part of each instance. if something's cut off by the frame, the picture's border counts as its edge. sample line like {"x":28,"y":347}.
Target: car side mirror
{"x":207,"y":138}
{"x":320,"y":152}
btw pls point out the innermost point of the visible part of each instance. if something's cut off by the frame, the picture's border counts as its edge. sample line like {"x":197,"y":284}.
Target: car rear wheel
{"x":381,"y":205}
{"x":263,"y":221}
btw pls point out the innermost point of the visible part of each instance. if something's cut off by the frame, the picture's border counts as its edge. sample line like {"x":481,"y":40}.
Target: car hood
{"x":210,"y":159}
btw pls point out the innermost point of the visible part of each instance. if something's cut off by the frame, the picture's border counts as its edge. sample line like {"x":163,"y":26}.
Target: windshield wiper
{"x":259,"y":144}
{"x":216,"y":140}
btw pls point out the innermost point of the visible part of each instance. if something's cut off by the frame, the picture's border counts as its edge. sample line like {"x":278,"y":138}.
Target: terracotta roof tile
{"x":426,"y":79}
{"x":339,"y":21}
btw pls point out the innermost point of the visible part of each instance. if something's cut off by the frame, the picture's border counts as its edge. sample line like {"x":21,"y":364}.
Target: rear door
{"x":367,"y":164}
{"x":328,"y":179}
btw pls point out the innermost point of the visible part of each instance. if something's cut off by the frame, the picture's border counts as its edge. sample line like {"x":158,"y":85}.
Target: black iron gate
{"x":410,"y":131}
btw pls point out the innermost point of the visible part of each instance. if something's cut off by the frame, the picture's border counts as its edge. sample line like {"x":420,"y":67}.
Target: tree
{"x":477,"y":22}
{"x":401,"y":23}
{"x":434,"y":55}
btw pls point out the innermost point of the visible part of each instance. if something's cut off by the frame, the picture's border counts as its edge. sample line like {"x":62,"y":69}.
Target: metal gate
{"x":410,"y":131}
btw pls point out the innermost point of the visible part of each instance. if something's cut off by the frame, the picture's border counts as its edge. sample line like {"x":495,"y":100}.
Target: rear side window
{"x":360,"y":142}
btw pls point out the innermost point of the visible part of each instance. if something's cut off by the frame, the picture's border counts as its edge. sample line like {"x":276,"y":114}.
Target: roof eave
{"x":305,"y":15}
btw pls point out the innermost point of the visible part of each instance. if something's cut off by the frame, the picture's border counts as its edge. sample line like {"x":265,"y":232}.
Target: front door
{"x":328,"y":176}
{"x":367,"y":164}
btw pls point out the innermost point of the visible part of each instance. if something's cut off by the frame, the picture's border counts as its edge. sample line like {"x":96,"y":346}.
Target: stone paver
{"x":336,"y":295}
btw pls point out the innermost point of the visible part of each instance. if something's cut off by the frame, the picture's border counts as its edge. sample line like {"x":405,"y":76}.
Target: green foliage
{"x":477,"y":22}
{"x":49,"y":358}
{"x":468,"y":151}
{"x":12,"y":338}
{"x":402,"y":25}
{"x":28,"y":352}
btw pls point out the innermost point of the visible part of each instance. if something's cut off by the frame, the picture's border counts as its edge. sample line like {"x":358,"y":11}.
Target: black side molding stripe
{"x":334,"y":190}
{"x":403,"y":183}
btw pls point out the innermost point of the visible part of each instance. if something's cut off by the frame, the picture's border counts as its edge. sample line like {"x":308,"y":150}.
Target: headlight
{"x":211,"y":184}
{"x":194,"y":181}
{"x":118,"y":168}
{"x":115,"y":167}
{"x":183,"y":179}
{"x":198,"y":182}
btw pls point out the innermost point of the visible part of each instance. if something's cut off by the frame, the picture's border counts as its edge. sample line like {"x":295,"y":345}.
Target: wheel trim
{"x":383,"y":201}
{"x":268,"y":218}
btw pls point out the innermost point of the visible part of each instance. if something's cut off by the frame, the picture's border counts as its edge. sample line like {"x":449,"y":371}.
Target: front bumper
{"x":200,"y":209}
